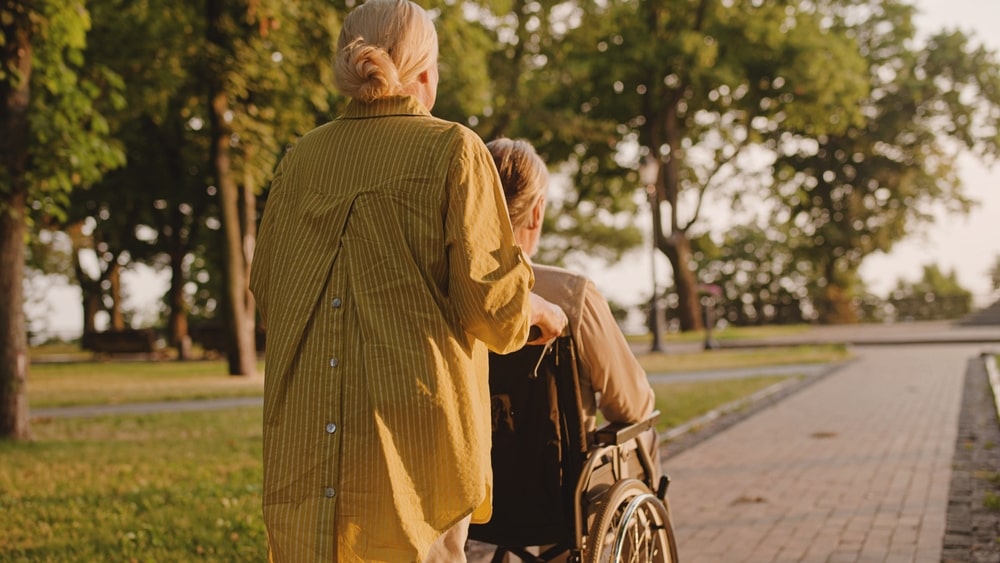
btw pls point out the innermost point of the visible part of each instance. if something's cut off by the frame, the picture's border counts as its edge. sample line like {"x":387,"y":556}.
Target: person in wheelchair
{"x":611,"y":379}
{"x":610,"y":473}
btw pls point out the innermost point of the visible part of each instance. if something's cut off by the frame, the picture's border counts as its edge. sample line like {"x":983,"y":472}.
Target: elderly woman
{"x":385,"y":268}
{"x":611,"y":378}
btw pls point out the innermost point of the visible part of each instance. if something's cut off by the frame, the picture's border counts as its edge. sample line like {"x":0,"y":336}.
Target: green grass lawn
{"x":98,"y":383}
{"x":178,"y":486}
{"x":187,"y":486}
{"x":683,"y":401}
{"x":728,"y":333}
{"x":164,"y":487}
{"x":743,"y":358}
{"x":111,"y":382}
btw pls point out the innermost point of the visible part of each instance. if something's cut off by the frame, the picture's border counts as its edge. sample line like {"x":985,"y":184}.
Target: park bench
{"x":212,"y":337}
{"x":119,"y":342}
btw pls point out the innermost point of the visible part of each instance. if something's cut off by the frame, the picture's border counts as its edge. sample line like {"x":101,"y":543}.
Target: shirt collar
{"x":382,"y":107}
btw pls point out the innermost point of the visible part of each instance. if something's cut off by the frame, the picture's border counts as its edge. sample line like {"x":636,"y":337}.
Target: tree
{"x":467,"y":84}
{"x":497,"y":67}
{"x":15,"y":132}
{"x":161,"y":194}
{"x":935,"y":296}
{"x":851,"y":193}
{"x":233,"y":84}
{"x":688,"y":85}
{"x":267,"y":72}
{"x":51,"y":140}
{"x":220,"y":28}
{"x":759,"y":281}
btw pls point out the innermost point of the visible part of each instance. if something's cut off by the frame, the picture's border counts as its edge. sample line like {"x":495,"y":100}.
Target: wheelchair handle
{"x":535,"y":332}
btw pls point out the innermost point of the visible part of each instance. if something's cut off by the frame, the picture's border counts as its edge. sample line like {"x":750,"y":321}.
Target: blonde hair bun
{"x":366,"y":70}
{"x":383,"y":47}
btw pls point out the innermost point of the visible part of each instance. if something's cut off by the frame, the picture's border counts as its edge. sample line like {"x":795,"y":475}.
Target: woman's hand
{"x":548,"y":317}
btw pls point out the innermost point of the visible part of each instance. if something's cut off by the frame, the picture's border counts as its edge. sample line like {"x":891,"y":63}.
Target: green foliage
{"x":160,"y":209}
{"x":991,"y":501}
{"x":759,"y":279}
{"x":689,"y":85}
{"x":49,"y":253}
{"x":70,"y":139}
{"x":860,"y":160}
{"x":847,"y":195}
{"x":275,"y":62}
{"x":512,"y":56}
{"x":466,"y":88}
{"x":935,"y":296}
{"x":160,"y":128}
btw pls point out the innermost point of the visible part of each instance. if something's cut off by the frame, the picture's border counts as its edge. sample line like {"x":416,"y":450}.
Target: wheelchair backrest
{"x":539,"y":445}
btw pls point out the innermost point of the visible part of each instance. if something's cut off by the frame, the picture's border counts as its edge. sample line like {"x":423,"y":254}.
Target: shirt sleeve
{"x":489,"y":276}
{"x":606,"y":358}
{"x":260,"y":263}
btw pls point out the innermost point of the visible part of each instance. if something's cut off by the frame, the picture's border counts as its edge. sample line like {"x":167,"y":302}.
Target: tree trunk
{"x":14,"y":422}
{"x":15,"y":97}
{"x":91,"y":306}
{"x":239,"y":326}
{"x":115,"y":280}
{"x":835,"y":307}
{"x":91,"y":294}
{"x":834,"y":303}
{"x":178,"y":322}
{"x":177,"y":239}
{"x":677,"y":248}
{"x":242,"y":352}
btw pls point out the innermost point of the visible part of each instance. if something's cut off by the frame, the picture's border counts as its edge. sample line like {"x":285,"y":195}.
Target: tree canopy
{"x":846,"y":195}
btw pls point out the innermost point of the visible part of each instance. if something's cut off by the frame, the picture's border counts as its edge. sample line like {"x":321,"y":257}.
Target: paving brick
{"x":866,"y":451}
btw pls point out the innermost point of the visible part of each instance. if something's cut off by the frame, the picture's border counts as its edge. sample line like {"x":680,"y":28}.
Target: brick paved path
{"x":855,"y":467}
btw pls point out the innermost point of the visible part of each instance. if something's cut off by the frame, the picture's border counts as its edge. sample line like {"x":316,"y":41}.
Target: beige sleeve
{"x":605,"y":357}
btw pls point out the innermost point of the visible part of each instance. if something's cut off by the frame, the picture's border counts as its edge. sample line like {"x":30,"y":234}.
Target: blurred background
{"x":743,"y":162}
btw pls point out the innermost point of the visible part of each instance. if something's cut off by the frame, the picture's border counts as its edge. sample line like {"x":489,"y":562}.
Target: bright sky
{"x":969,"y":245}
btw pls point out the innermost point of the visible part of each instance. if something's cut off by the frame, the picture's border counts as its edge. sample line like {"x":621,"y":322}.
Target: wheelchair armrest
{"x":618,"y":433}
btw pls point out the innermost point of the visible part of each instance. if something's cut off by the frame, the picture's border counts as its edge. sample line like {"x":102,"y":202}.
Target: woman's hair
{"x":383,"y":46}
{"x":523,"y":175}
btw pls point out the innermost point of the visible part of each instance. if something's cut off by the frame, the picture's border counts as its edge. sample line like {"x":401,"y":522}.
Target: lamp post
{"x":648,"y":171}
{"x":710,"y":294}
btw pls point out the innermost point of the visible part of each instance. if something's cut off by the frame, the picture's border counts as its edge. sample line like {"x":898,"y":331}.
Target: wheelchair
{"x":573,"y":495}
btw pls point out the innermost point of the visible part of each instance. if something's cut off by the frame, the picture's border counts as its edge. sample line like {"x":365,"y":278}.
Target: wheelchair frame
{"x":609,"y":449}
{"x":611,"y":517}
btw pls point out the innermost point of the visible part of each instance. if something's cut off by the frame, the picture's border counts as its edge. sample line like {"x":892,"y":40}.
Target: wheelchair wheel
{"x":632,"y":526}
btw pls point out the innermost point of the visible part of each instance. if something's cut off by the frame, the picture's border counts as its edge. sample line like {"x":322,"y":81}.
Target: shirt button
{"x":331,"y":428}
{"x":333,"y":362}
{"x":337,"y":302}
{"x":330,"y":492}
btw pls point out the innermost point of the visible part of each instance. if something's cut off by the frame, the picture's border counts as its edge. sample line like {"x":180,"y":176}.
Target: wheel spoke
{"x":633,"y":526}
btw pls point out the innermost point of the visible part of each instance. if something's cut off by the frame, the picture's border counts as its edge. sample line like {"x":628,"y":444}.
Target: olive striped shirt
{"x":385,"y":261}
